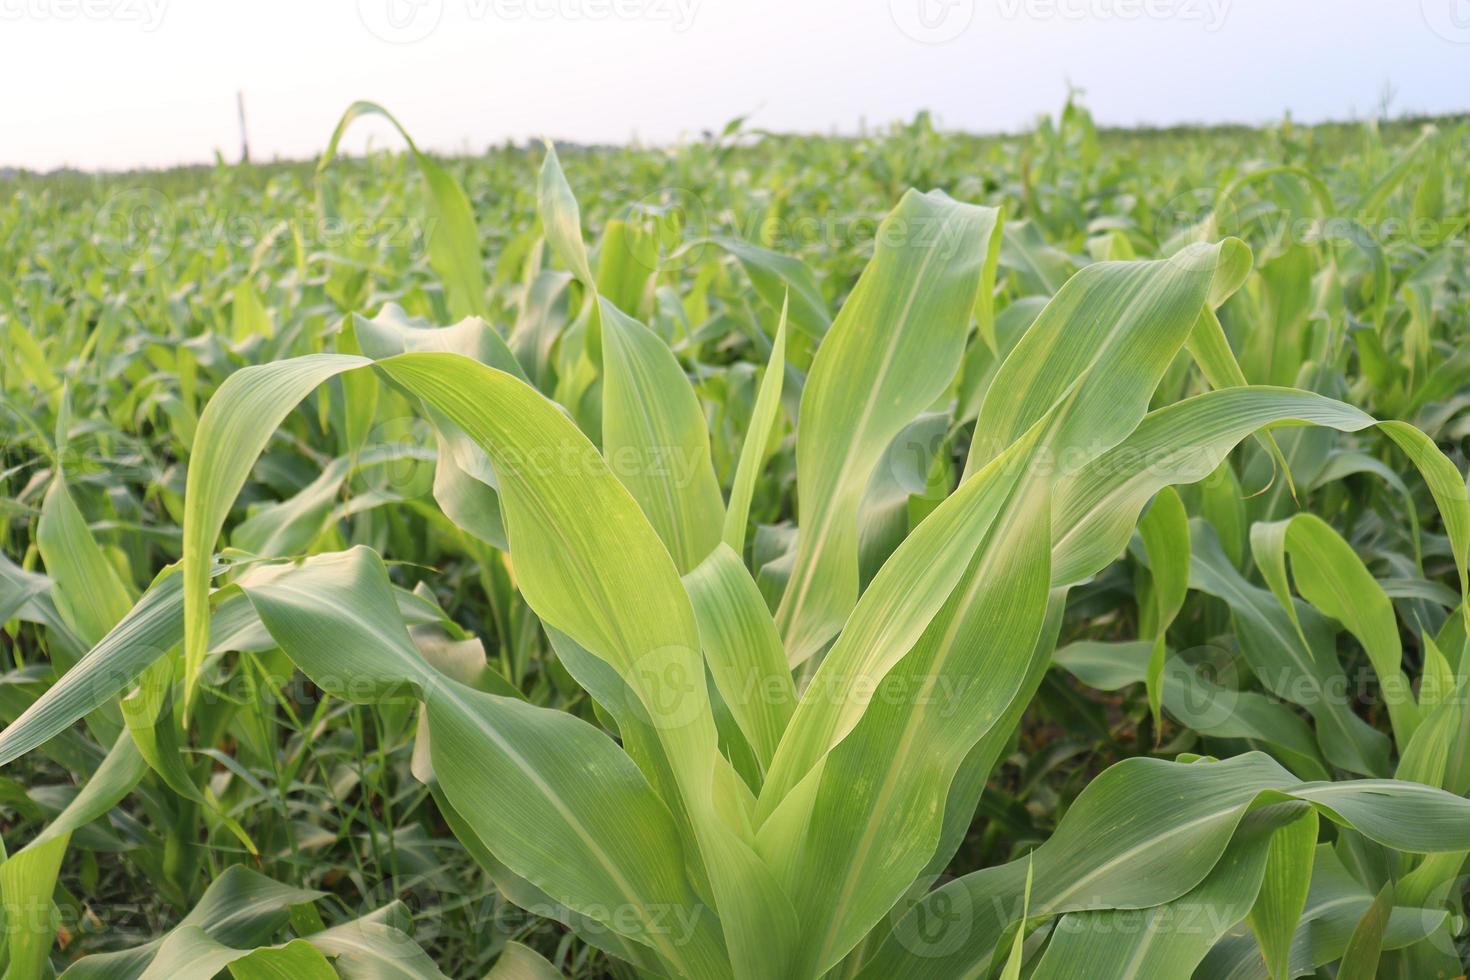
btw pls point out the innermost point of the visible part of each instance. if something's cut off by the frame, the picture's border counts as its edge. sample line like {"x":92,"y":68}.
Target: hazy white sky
{"x":119,"y":83}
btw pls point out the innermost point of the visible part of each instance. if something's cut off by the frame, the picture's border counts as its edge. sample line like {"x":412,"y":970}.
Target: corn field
{"x":903,"y":556}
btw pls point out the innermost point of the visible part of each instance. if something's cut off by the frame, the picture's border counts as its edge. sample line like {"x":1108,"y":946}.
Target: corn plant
{"x":772,"y":791}
{"x":767,"y":759}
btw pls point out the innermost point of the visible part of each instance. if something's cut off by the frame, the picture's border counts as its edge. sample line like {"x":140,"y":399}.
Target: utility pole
{"x":244,"y":140}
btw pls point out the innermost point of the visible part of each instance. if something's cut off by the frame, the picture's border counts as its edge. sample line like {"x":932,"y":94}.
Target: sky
{"x":118,"y":84}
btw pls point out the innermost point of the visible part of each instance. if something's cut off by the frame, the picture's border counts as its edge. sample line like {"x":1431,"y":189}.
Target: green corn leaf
{"x":464,"y":480}
{"x":656,"y":441}
{"x":1165,"y":532}
{"x":787,"y":814}
{"x":1365,"y":948}
{"x":32,"y":360}
{"x":644,"y":629}
{"x":561,"y":219}
{"x":1116,"y":324}
{"x":518,"y":962}
{"x":550,"y":795}
{"x":393,"y":332}
{"x":28,"y":877}
{"x":875,"y":370}
{"x":912,"y":477}
{"x":248,"y":316}
{"x":190,"y":953}
{"x":529,"y":897}
{"x":1198,"y":701}
{"x":742,"y":649}
{"x":1016,"y":959}
{"x":1448,"y":487}
{"x":1296,"y":665}
{"x":1378,"y":194}
{"x":1331,"y":576}
{"x":290,"y":526}
{"x":1145,"y":833}
{"x":627,"y":263}
{"x":376,"y":947}
{"x":1166,"y":940}
{"x":654,"y":434}
{"x":240,"y":909}
{"x":757,"y":437}
{"x":89,"y":591}
{"x":28,"y":598}
{"x":1038,"y":267}
{"x":233,"y":429}
{"x":1098,"y":506}
{"x":1335,"y":903}
{"x":782,"y":281}
{"x":871,"y":826}
{"x":648,"y":633}
{"x":1435,"y":755}
{"x":894,"y":613}
{"x":454,"y":241}
{"x":369,"y":948}
{"x":152,"y":627}
{"x":1284,"y":889}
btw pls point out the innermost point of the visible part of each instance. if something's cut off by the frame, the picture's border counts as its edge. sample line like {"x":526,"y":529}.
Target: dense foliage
{"x":916,"y":555}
